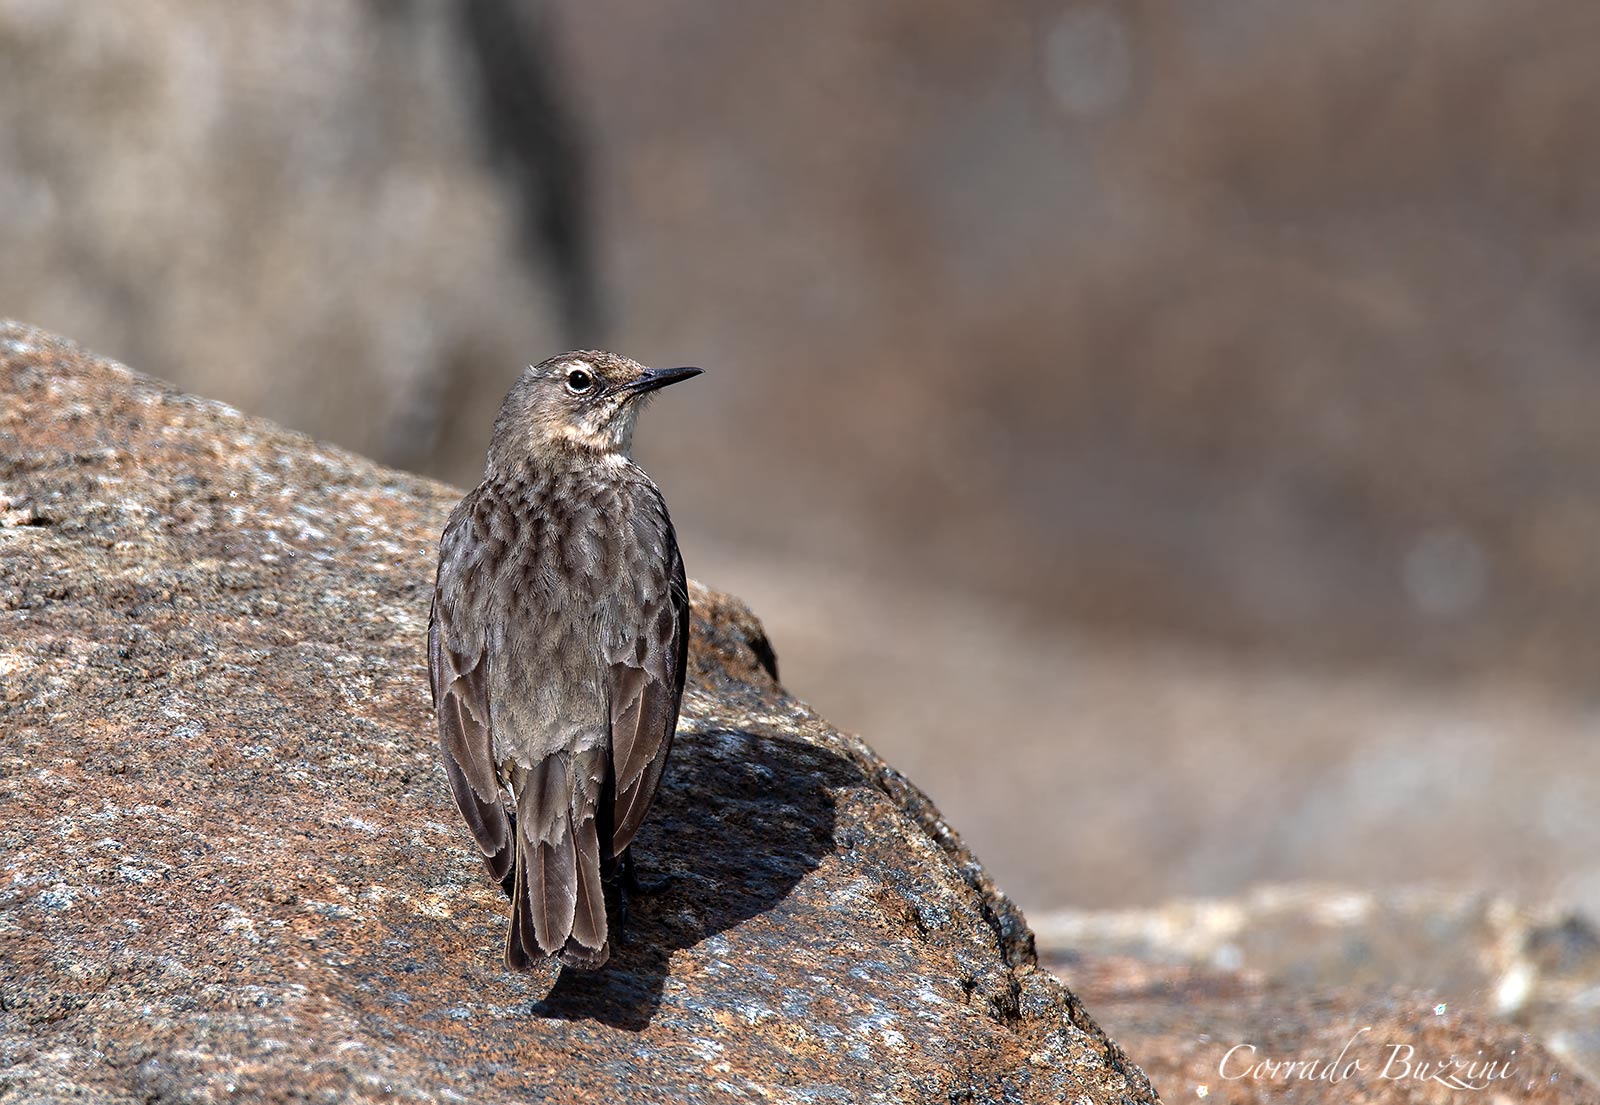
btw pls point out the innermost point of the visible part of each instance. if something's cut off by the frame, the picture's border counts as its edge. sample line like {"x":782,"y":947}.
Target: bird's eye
{"x":579,"y":381}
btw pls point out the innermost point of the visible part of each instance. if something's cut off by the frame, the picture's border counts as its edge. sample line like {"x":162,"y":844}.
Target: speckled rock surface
{"x":1206,"y":990}
{"x":1235,"y":1038}
{"x":229,"y":867}
{"x":1535,"y":967}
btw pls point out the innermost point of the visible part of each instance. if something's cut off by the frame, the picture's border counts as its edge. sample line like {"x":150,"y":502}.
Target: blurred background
{"x":1170,"y":432}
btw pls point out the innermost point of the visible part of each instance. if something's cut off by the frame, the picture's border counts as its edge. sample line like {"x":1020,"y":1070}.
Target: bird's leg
{"x":636,"y":885}
{"x":620,"y":879}
{"x":613,"y":887}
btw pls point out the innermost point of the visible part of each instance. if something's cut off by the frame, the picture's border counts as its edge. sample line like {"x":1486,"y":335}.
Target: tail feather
{"x":551,"y":892}
{"x":520,"y":938}
{"x":558,"y":904}
{"x":588,"y":942}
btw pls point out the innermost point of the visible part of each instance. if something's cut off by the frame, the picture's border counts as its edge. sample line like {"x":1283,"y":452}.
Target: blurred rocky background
{"x":1170,"y":431}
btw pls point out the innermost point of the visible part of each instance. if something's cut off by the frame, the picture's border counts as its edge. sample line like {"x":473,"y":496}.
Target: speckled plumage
{"x":556,"y":651}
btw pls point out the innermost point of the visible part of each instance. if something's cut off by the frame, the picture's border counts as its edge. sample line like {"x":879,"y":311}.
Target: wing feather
{"x":645,"y":700}
{"x":465,"y":746}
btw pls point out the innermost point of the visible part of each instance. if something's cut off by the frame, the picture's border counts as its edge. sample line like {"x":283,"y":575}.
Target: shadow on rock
{"x":740,"y":821}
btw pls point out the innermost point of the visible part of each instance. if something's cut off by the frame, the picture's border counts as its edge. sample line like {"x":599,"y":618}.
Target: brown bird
{"x":556,"y":651}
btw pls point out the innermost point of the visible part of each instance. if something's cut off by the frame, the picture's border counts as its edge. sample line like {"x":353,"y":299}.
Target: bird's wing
{"x":458,"y":673}
{"x":646,"y":692}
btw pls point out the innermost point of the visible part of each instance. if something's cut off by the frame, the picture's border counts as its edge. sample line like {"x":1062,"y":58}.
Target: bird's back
{"x":568,"y":585}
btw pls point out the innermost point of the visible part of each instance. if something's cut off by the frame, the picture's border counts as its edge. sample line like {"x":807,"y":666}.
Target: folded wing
{"x":646,"y":693}
{"x":460,"y":697}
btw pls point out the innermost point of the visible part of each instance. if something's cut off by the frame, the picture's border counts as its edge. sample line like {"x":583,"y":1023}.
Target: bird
{"x":557,"y":645}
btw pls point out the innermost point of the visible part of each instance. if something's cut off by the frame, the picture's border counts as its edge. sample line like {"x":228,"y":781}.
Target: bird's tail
{"x":557,"y":901}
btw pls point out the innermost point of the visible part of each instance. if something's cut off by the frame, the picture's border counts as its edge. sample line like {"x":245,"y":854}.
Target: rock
{"x":295,"y":207}
{"x":1297,"y":970}
{"x":1184,"y":1022}
{"x":230,"y":868}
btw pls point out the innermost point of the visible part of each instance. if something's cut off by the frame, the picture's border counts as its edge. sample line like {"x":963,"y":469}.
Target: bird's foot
{"x":621,"y":883}
{"x":633,"y":884}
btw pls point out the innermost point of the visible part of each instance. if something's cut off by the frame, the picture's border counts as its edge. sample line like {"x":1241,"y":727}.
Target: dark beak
{"x":659,"y":378}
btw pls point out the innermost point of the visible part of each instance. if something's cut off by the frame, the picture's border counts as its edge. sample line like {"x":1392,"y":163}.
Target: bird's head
{"x":585,"y":402}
